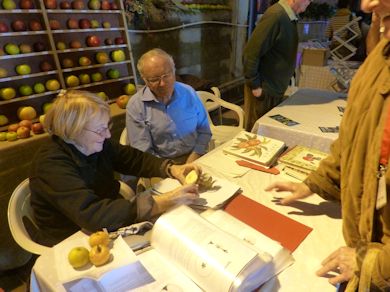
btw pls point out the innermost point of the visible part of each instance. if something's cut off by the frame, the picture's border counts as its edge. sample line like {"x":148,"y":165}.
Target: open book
{"x":192,"y":253}
{"x":301,"y":160}
{"x":255,"y":148}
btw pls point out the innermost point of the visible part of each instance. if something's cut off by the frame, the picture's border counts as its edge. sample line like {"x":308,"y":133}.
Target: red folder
{"x":281,"y":228}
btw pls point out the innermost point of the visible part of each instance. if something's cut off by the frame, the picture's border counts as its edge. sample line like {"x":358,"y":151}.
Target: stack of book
{"x":301,"y":160}
{"x":255,"y":148}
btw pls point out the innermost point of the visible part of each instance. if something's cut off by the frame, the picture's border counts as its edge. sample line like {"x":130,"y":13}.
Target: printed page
{"x":210,"y":257}
{"x":264,"y":245}
{"x":221,"y":191}
{"x":167,"y":276}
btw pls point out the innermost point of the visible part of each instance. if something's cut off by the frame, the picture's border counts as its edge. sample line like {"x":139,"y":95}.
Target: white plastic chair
{"x":19,"y":207}
{"x":222,"y":133}
{"x":128,"y":179}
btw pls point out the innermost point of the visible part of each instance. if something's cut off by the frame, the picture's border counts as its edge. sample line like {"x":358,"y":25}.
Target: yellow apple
{"x":99,"y":254}
{"x":191,"y":177}
{"x":42,"y":119}
{"x":26,"y":113}
{"x":129,"y":89}
{"x":99,"y":237}
{"x":78,"y":257}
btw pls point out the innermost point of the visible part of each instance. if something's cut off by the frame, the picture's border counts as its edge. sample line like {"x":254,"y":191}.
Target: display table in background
{"x":312,"y":109}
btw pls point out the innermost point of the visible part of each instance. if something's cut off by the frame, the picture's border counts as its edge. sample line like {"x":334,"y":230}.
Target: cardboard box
{"x":315,"y":57}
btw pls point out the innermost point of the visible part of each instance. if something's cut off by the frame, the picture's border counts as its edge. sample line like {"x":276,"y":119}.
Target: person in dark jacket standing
{"x":72,"y":178}
{"x":270,"y":57}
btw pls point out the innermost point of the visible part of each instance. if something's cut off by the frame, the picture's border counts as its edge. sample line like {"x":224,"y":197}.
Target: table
{"x":321,"y":215}
{"x":312,"y":109}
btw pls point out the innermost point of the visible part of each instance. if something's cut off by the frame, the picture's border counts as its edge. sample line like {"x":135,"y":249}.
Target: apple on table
{"x":122,"y":101}
{"x":23,"y":132}
{"x":37,"y":128}
{"x":11,"y":136}
{"x":3,"y":136}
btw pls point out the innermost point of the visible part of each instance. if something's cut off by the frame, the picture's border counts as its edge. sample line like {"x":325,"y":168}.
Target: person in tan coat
{"x":354,"y":171}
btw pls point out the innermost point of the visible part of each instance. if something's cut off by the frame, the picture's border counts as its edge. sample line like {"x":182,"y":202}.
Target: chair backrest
{"x":18,"y":208}
{"x":222,"y":133}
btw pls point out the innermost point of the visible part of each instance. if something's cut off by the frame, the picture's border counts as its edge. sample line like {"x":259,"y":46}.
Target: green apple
{"x":25,"y":90}
{"x":42,"y":119}
{"x":113,"y":73}
{"x":61,"y":46}
{"x":39,"y":87}
{"x":8,"y":4}
{"x":102,"y":57}
{"x":3,"y":73}
{"x":129,"y":89}
{"x":26,"y":113}
{"x":11,"y":49}
{"x":46,"y":106}
{"x":11,"y":136}
{"x":94,"y":4}
{"x":102,"y":95}
{"x":78,"y":257}
{"x":94,"y":23}
{"x":23,"y":69}
{"x":7,"y":93}
{"x":3,"y":136}
{"x":3,"y":120}
{"x":84,"y":78}
{"x":52,"y":84}
{"x":96,"y":76}
{"x":118,"y":55}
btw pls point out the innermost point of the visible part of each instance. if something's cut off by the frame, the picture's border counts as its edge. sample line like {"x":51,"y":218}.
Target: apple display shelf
{"x":49,"y":45}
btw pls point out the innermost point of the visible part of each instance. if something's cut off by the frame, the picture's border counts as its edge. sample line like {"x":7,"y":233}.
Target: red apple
{"x":23,"y":132}
{"x":26,"y":4}
{"x":122,"y":101}
{"x":65,"y":4}
{"x":13,"y":127}
{"x":37,"y":128}
{"x":78,"y":4}
{"x":54,"y":24}
{"x":119,"y":40}
{"x":39,"y":47}
{"x":108,"y":42}
{"x":105,"y":5}
{"x":3,"y":27}
{"x":18,"y":25}
{"x":84,"y":23}
{"x":35,"y":25}
{"x":67,"y":63}
{"x":72,"y":23}
{"x":75,"y":44}
{"x":93,"y":41}
{"x":25,"y":123}
{"x":45,"y":66}
{"x":114,"y":6}
{"x":50,"y":4}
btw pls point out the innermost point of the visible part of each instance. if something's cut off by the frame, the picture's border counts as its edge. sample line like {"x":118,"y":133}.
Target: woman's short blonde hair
{"x":70,"y":112}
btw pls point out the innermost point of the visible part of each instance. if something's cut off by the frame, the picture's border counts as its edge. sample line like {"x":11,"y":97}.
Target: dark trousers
{"x":255,"y":107}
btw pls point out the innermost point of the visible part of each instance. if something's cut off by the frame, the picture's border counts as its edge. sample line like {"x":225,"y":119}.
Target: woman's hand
{"x":343,"y":261}
{"x":298,"y":191}
{"x":184,"y":195}
{"x":180,"y":171}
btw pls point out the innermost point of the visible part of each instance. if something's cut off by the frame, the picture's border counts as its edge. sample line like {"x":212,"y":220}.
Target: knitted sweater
{"x":270,"y":54}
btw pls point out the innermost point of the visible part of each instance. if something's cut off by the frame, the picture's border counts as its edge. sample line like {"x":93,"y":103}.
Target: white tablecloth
{"x":312,"y":109}
{"x":322,"y":216}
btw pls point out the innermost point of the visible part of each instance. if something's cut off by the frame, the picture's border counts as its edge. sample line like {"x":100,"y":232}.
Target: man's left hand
{"x":342,"y":261}
{"x":180,"y":171}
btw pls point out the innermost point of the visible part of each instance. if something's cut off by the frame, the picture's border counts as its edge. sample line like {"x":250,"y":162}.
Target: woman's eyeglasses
{"x":102,"y":131}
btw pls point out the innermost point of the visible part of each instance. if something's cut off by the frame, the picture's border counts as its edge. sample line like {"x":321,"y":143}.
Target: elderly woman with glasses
{"x":72,"y":178}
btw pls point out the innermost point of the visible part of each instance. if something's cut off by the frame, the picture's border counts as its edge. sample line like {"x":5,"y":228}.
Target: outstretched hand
{"x":298,"y":191}
{"x":342,"y":261}
{"x":183,"y":195}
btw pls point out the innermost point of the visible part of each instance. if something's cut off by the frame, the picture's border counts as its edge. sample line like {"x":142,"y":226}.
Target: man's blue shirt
{"x":171,"y":130}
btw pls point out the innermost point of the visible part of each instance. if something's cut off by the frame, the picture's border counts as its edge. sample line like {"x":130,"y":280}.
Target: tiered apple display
{"x":99,"y":254}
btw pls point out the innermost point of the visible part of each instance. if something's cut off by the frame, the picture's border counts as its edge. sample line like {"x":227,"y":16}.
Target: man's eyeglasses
{"x":157,"y":80}
{"x":102,"y":131}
